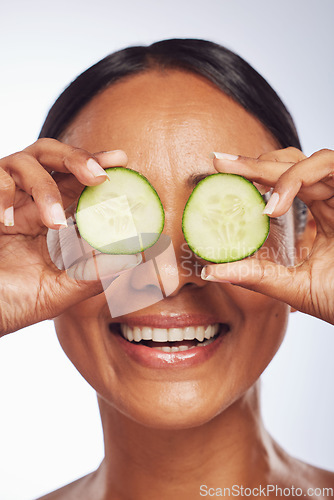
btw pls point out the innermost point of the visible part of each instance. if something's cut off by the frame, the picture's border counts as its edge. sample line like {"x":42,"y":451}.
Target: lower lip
{"x":153,"y":358}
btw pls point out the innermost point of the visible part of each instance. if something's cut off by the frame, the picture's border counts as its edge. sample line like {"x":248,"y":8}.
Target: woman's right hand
{"x":32,"y":288}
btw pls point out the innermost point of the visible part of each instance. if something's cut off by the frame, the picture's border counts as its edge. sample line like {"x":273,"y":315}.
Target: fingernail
{"x":223,"y":156}
{"x":272,"y":204}
{"x":205,"y":273}
{"x":58,"y":215}
{"x":95,"y":169}
{"x":8,"y":217}
{"x":139,"y":258}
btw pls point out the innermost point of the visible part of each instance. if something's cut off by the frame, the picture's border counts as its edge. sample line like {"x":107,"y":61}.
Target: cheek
{"x":263,"y":325}
{"x":80,"y":331}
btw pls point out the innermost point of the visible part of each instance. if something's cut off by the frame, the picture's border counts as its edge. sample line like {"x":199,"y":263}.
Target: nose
{"x":169,"y":265}
{"x":188,"y":265}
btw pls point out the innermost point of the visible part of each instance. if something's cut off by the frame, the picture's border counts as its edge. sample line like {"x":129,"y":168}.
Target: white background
{"x":49,"y":425}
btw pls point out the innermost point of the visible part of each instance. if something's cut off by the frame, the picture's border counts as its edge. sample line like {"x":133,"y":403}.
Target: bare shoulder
{"x":314,"y":476}
{"x":312,"y":481}
{"x":78,"y":490}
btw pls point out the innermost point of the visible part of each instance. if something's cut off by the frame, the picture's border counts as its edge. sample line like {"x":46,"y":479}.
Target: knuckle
{"x":49,"y":183}
{"x":43,"y":143}
{"x":296,"y":154}
{"x":48,"y":186}
{"x":271,"y":156}
{"x":75,"y":158}
{"x":6,"y":183}
{"x":291,"y":153}
{"x":75,"y":153}
{"x":292,"y":149}
{"x":19,"y":159}
{"x":325,"y":151}
{"x":326,"y":154}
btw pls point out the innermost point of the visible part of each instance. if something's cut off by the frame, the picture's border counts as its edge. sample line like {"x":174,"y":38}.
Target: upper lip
{"x":171,"y":321}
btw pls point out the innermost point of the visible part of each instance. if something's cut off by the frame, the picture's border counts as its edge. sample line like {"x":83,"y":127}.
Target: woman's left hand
{"x":308,"y":286}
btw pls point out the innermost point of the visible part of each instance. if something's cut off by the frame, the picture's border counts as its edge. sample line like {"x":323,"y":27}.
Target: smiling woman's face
{"x":168,"y":123}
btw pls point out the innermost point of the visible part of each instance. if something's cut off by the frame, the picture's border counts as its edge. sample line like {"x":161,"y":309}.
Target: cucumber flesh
{"x":124,"y":215}
{"x":223,"y":219}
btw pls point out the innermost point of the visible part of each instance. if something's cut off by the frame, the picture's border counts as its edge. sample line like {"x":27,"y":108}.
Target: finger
{"x":56,"y":156}
{"x":302,"y":179}
{"x":84,"y":280}
{"x":101,"y":266}
{"x":288,"y":178}
{"x":116,"y":158}
{"x":265,"y":172}
{"x":289,"y":154}
{"x":259,"y":275}
{"x":86,"y":167}
{"x":257,"y":167}
{"x":39,"y":184}
{"x":7,"y":194}
{"x":69,"y":186}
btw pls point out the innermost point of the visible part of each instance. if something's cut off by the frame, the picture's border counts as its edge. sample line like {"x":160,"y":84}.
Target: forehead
{"x":169,"y":117}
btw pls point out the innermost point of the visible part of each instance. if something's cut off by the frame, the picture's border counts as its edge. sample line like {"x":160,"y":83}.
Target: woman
{"x":185,"y":424}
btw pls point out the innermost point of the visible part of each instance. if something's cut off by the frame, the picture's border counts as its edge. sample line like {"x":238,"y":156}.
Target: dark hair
{"x":228,"y":71}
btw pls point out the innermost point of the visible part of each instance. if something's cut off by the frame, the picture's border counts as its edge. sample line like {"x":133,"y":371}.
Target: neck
{"x":233,"y":448}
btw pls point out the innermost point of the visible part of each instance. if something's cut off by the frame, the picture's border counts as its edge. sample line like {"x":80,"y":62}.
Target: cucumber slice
{"x":124,"y":215}
{"x":223,"y":221}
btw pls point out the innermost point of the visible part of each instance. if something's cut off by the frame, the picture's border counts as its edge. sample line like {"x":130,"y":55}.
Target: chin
{"x":173,"y":406}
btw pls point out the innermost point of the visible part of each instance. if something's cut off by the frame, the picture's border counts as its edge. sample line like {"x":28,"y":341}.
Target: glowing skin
{"x":198,"y":423}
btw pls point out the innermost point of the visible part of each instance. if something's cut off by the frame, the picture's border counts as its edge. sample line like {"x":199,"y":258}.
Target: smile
{"x":171,"y":339}
{"x":177,"y":341}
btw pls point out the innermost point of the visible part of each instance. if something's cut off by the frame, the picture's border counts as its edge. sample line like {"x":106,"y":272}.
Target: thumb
{"x":88,"y":278}
{"x":85,"y":272}
{"x":259,"y":275}
{"x":102,"y":266}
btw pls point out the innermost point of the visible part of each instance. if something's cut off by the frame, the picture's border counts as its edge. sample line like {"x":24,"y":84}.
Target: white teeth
{"x":129,"y":334}
{"x":199,"y":333}
{"x":136,"y":333}
{"x":159,"y":335}
{"x":211,"y":331}
{"x":175,"y":334}
{"x":182,"y":348}
{"x":146,"y":333}
{"x":164,"y":348}
{"x":189,"y":333}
